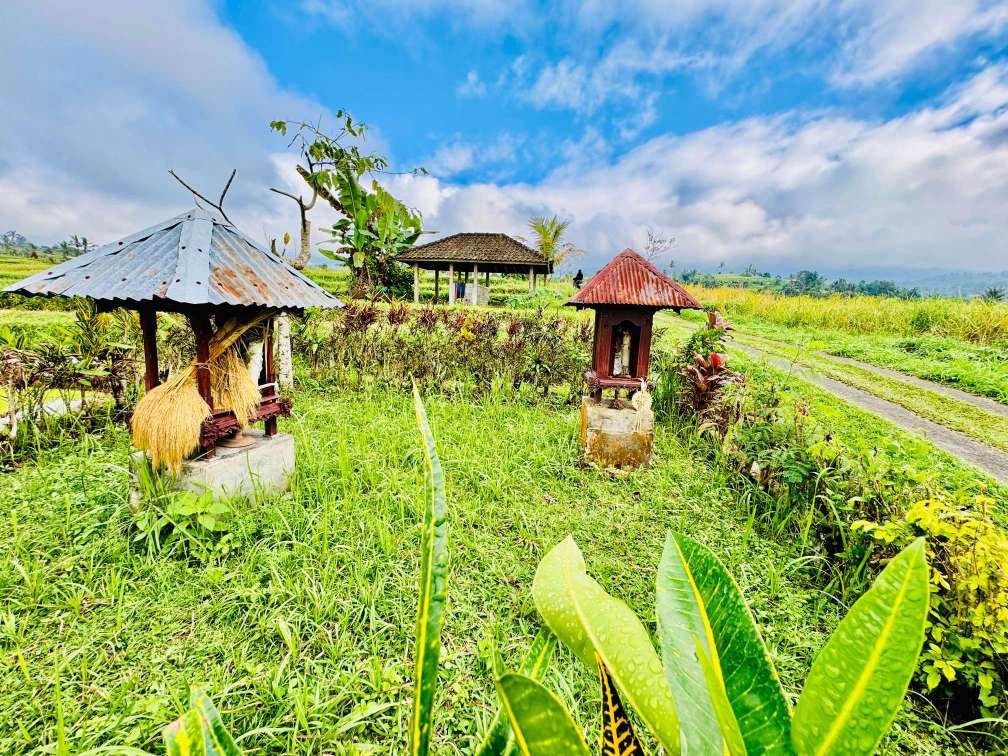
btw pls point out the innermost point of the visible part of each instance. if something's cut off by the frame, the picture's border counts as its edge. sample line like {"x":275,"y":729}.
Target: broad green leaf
{"x":200,"y":731}
{"x":498,"y":735}
{"x":618,"y":737}
{"x":739,"y":656}
{"x":732,"y":738}
{"x":541,"y":724}
{"x":433,"y":590}
{"x":681,"y":618}
{"x":588,"y":620}
{"x":858,"y":680}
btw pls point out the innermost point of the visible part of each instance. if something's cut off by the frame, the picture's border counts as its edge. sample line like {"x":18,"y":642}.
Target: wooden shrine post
{"x":416,"y":284}
{"x":437,"y":283}
{"x":200,"y":322}
{"x":475,"y":297}
{"x":451,"y":283}
{"x":148,"y":328}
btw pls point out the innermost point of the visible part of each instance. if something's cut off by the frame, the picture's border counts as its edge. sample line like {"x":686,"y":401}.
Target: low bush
{"x":445,"y":348}
{"x":964,"y":659}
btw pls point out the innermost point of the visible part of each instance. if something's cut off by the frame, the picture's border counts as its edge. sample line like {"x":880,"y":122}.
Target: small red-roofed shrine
{"x":625,"y":295}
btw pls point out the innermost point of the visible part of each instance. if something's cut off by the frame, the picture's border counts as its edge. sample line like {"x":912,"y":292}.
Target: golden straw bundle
{"x":167,"y":420}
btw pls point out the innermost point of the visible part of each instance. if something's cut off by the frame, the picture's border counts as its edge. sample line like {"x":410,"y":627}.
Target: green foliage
{"x":541,"y":724}
{"x":589,"y":621}
{"x":851,"y":696}
{"x":687,"y":384}
{"x":737,"y":654}
{"x":165,"y":518}
{"x":199,"y":731}
{"x":967,"y":629}
{"x":433,"y":591}
{"x":499,"y":738}
{"x":858,"y":680}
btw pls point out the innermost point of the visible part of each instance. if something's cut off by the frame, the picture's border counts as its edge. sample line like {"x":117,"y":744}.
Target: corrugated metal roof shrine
{"x":625,"y":295}
{"x":196,"y":258}
{"x":199,"y":265}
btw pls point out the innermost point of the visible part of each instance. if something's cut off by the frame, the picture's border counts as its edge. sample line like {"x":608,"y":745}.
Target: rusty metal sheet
{"x":194,"y":258}
{"x":629,"y":279}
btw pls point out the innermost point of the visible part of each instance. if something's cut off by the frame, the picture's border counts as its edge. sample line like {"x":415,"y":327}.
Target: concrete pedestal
{"x":265,"y":466}
{"x":616,"y":438}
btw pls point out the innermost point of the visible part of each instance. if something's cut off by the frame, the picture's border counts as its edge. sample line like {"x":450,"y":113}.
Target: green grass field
{"x":302,"y":628}
{"x":101,"y":639}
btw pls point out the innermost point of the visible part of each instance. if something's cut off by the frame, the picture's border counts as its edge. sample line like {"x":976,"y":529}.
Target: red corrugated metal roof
{"x":629,"y":279}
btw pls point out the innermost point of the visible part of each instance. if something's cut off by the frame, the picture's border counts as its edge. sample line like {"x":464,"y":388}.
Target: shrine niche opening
{"x":625,"y":348}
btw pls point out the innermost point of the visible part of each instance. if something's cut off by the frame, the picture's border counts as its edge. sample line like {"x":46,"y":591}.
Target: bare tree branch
{"x":210,"y":202}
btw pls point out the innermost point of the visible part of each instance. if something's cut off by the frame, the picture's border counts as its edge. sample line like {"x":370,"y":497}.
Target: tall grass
{"x":974,"y":321}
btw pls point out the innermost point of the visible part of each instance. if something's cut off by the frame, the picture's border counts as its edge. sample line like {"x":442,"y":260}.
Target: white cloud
{"x":461,"y":155}
{"x":95,"y":112}
{"x":926,"y":189}
{"x":472,"y":86}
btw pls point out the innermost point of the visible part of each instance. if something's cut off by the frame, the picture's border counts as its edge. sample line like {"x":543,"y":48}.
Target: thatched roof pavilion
{"x":479,"y":252}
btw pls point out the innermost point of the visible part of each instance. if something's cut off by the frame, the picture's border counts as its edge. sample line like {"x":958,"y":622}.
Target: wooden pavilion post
{"x":531,"y":280}
{"x":148,"y":328}
{"x":451,"y":283}
{"x":437,"y":283}
{"x":486,"y":279}
{"x":475,"y":296}
{"x":416,"y":284}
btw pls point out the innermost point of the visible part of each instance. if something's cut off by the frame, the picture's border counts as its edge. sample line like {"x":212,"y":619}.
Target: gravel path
{"x":992,"y":461}
{"x":980,"y":402}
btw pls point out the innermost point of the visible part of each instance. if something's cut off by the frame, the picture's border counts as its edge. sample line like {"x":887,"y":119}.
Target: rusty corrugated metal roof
{"x":629,"y":279}
{"x":194,"y":258}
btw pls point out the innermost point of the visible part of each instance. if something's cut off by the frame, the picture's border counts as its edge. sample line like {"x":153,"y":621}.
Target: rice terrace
{"x":634,"y":381}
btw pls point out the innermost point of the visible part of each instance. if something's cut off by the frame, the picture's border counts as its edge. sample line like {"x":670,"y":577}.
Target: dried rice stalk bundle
{"x":234,"y":388}
{"x":167,"y":420}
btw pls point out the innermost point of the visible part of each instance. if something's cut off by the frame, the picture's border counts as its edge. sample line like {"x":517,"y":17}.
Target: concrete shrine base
{"x":615,"y":438}
{"x":265,"y":467}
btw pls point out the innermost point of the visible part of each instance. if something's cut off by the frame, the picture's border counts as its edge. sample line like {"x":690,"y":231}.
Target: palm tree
{"x":993,"y":294}
{"x":549,"y":233}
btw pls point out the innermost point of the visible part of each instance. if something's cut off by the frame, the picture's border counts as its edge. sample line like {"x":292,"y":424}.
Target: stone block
{"x":616,"y":438}
{"x":265,"y":466}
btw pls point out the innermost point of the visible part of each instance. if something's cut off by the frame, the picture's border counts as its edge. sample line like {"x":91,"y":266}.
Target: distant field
{"x":971,"y":321}
{"x":15,"y":268}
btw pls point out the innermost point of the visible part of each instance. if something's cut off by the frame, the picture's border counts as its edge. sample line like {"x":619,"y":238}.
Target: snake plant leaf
{"x":618,"y":737}
{"x":739,"y":657}
{"x":200,"y":731}
{"x":858,"y":680}
{"x":433,"y":590}
{"x":541,"y":724}
{"x":588,"y":620}
{"x":732,"y":741}
{"x":499,"y":740}
{"x":681,"y":618}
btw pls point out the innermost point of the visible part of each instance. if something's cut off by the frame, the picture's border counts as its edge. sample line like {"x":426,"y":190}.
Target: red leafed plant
{"x":705,"y":381}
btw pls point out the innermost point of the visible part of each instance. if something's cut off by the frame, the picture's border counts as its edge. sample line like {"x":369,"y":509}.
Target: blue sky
{"x":781,"y":133}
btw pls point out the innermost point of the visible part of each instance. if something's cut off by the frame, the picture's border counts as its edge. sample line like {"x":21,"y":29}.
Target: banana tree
{"x":375,"y":228}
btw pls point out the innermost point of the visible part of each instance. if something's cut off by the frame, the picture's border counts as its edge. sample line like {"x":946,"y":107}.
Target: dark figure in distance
{"x":578,"y":279}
